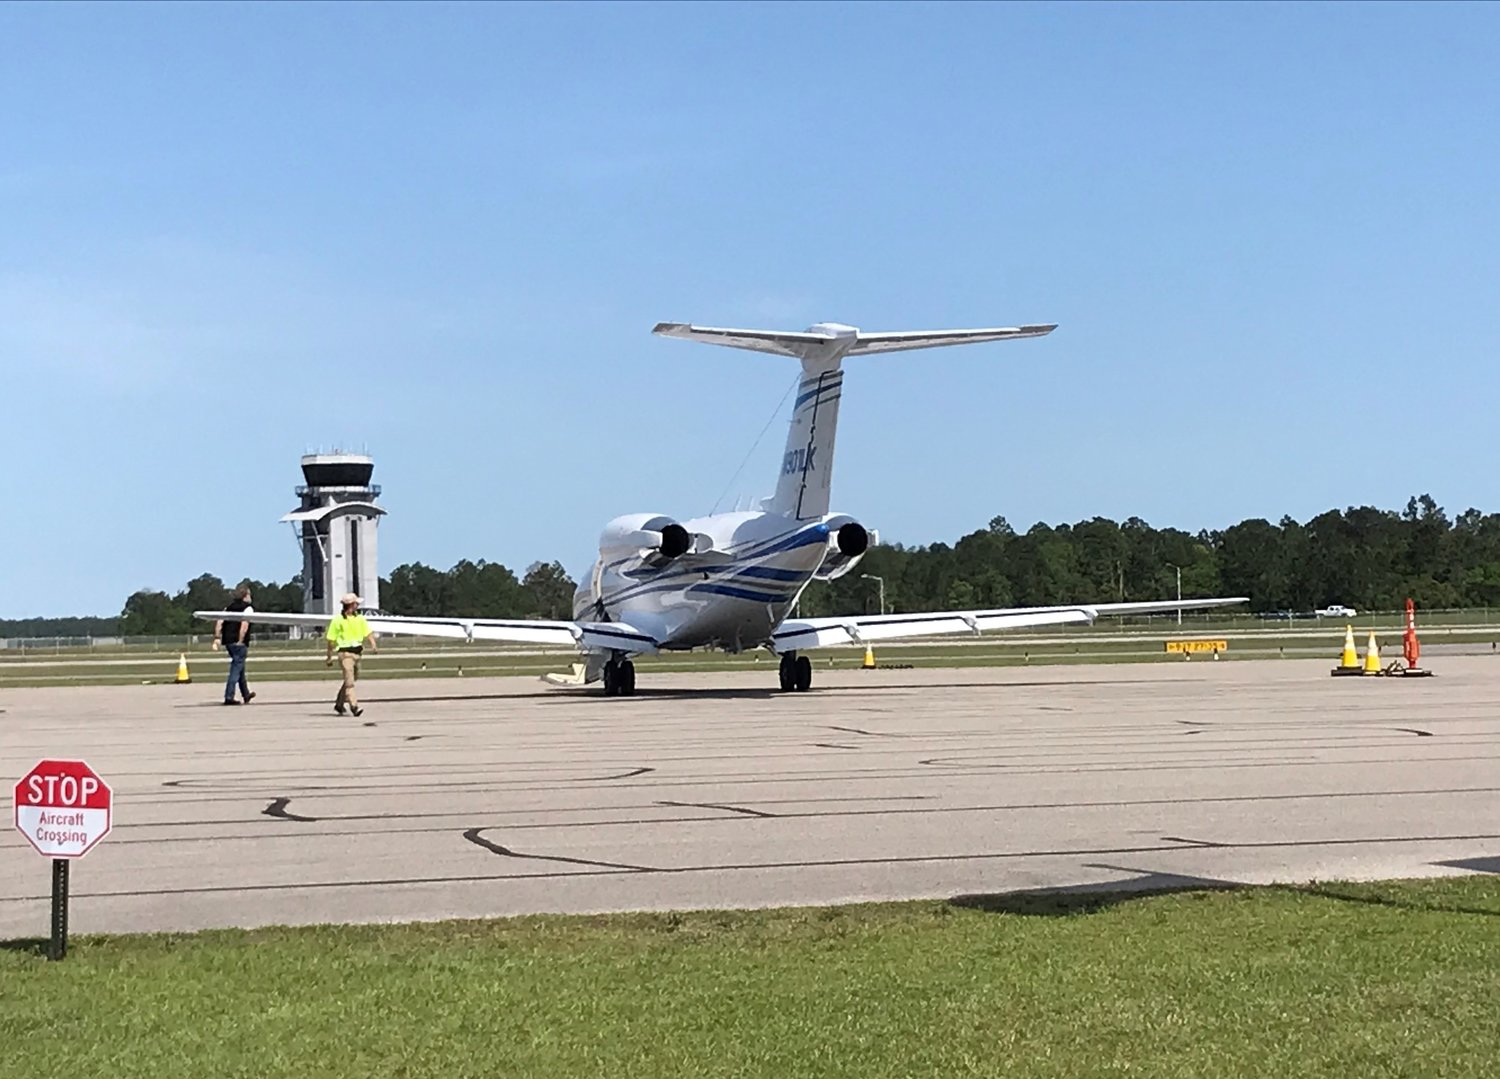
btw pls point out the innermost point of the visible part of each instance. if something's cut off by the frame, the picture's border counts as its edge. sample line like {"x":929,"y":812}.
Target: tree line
{"x":469,"y":589}
{"x":1363,"y":557}
{"x":1367,"y":558}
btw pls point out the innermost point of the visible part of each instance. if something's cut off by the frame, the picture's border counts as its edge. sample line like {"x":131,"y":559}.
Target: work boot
{"x":338,"y":709}
{"x":231,"y":700}
{"x":356,"y":712}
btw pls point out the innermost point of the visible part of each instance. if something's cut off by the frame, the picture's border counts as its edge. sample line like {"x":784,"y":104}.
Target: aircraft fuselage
{"x":731,"y":592}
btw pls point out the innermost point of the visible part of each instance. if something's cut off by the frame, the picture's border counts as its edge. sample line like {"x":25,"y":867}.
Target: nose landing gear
{"x":796,"y":673}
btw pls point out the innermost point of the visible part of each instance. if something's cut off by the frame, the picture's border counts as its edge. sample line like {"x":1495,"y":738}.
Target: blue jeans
{"x":237,"y":653}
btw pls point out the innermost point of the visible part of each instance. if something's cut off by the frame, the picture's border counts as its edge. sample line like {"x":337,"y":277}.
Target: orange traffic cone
{"x":1411,"y":647}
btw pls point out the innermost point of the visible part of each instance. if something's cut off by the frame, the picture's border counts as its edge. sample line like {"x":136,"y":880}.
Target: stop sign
{"x":62,"y":808}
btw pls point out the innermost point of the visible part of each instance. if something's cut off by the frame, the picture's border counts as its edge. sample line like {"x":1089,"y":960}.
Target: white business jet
{"x":730,"y":580}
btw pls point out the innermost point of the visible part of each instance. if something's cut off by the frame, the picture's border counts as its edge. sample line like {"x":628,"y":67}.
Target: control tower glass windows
{"x":338,"y":473}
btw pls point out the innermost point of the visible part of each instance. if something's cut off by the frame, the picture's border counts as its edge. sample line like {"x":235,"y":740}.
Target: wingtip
{"x":669,"y":329}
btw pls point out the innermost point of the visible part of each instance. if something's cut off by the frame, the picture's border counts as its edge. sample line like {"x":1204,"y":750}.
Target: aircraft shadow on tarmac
{"x":1093,"y":898}
{"x":1475,"y":865}
{"x":1089,"y":898}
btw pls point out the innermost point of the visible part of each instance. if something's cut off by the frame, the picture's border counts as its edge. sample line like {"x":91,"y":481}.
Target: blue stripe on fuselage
{"x":772,"y":574}
{"x":679,"y":576}
{"x":817,"y":533}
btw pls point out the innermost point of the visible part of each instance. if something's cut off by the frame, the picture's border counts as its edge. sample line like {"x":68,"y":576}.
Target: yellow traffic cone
{"x":182,"y":672}
{"x":1372,"y":656}
{"x":1349,"y":661}
{"x":869,"y":663}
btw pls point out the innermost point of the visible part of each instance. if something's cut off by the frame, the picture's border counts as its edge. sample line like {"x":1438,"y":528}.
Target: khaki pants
{"x":349,"y":664}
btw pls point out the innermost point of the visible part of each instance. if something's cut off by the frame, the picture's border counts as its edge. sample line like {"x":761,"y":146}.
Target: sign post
{"x":58,"y":946}
{"x":63,"y":809}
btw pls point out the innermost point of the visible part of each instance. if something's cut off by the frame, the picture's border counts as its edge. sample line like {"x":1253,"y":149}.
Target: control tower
{"x":335,"y":526}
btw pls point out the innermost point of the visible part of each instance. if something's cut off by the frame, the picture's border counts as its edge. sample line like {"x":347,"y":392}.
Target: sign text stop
{"x":63,"y":808}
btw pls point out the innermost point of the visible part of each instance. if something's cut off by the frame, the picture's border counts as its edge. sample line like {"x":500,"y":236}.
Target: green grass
{"x":1395,"y":979}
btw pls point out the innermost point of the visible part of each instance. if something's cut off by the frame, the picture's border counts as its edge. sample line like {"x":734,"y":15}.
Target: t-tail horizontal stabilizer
{"x":824,"y":340}
{"x":802,"y":484}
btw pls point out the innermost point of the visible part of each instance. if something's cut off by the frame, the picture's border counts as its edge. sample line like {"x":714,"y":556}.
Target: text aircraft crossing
{"x":729,"y":581}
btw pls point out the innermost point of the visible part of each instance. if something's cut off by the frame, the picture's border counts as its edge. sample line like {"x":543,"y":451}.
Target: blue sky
{"x":1270,"y":235}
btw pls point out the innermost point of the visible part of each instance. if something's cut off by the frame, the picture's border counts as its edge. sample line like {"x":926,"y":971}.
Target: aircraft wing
{"x":586,"y":636}
{"x":799,"y":633}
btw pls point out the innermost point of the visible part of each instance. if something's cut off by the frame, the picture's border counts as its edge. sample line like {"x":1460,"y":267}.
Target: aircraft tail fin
{"x":802,"y":488}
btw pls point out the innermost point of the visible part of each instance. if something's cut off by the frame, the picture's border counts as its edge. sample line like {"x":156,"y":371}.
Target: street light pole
{"x":1179,"y":589}
{"x":880,"y":581}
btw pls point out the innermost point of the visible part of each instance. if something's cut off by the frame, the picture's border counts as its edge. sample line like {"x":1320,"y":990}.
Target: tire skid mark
{"x":475,"y":836}
{"x":725,"y":808}
{"x":277,"y":809}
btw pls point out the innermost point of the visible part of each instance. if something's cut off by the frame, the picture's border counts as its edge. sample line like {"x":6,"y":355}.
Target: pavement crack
{"x":475,"y":836}
{"x":725,"y":808}
{"x":867,"y":734}
{"x":831,"y":745}
{"x":1413,"y":730}
{"x":277,"y":809}
{"x":1193,"y":842}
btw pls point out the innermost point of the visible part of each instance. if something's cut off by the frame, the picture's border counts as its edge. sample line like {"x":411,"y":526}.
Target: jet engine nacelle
{"x":653,"y":537}
{"x":848,"y":540}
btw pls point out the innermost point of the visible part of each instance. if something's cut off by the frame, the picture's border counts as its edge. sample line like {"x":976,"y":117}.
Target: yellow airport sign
{"x":1197,"y":646}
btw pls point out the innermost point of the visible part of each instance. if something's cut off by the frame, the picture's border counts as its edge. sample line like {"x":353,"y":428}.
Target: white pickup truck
{"x":1338,"y":610}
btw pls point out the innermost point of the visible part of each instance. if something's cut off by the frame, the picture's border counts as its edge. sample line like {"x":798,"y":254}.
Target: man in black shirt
{"x":235,"y":636}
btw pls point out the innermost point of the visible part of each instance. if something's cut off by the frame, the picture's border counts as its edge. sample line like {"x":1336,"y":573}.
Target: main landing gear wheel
{"x":795,"y":673}
{"x":619,"y":678}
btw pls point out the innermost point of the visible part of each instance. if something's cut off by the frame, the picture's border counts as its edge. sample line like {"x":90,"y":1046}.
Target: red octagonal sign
{"x":63,"y":808}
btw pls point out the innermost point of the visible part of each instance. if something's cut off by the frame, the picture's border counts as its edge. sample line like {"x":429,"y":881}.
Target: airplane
{"x":730,"y":581}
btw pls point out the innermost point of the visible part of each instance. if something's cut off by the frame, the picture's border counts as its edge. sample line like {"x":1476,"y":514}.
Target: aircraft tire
{"x":611,"y":679}
{"x":803,"y":674}
{"x":788,"y":673}
{"x":626,"y":678}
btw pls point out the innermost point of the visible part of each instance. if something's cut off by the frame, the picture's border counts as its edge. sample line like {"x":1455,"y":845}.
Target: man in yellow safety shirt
{"x":347,"y":634}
